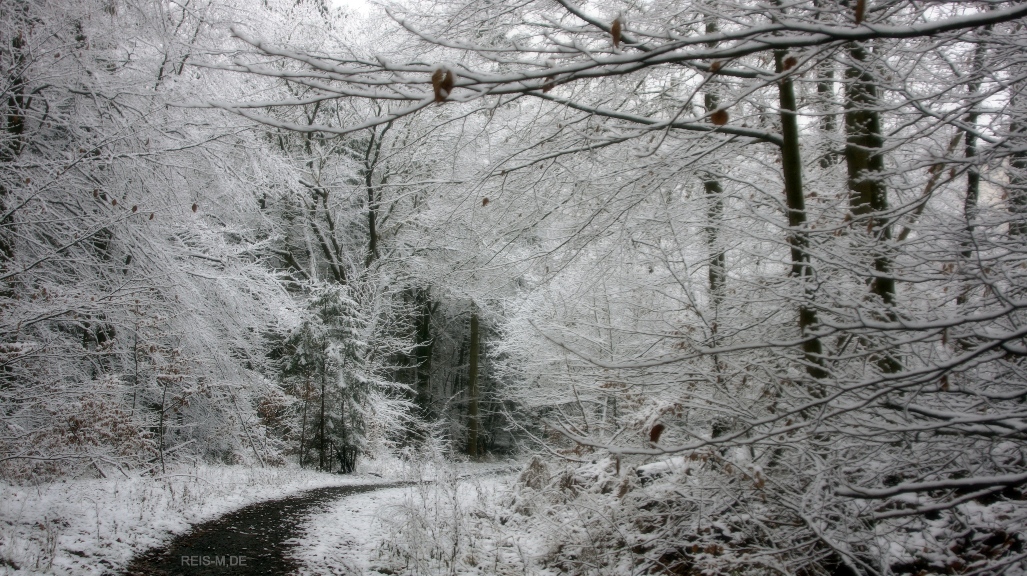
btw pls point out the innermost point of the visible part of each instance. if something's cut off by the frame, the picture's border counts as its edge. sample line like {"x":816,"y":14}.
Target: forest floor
{"x":93,"y":527}
{"x":254,"y":540}
{"x":393,"y":531}
{"x":312,"y":522}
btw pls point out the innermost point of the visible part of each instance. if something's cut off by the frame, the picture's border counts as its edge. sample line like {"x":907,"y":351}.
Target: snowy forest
{"x":741,"y":285}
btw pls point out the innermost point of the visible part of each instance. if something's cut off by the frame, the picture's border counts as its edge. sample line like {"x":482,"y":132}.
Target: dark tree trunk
{"x":14,"y":125}
{"x":973,"y":173}
{"x":347,"y":454}
{"x":422,"y":353}
{"x":371,"y":157}
{"x":303,"y":421}
{"x":715,"y":209}
{"x":825,"y":96}
{"x":1016,"y":190}
{"x":791,"y":170}
{"x":160,"y":426}
{"x":868,"y":199}
{"x":1017,"y":194}
{"x":473,"y":423}
{"x":321,"y":427}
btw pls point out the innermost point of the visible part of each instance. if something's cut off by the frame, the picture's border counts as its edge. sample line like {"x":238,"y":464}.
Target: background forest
{"x":747,"y":279}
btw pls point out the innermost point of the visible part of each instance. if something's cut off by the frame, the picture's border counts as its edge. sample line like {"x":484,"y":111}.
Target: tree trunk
{"x":1016,"y":190}
{"x":473,"y":424}
{"x":865,"y":162}
{"x":863,"y":158}
{"x":1017,"y":193}
{"x":303,"y":421}
{"x":715,"y":210}
{"x":14,"y":140}
{"x":825,"y":97}
{"x":717,"y":271}
{"x":791,"y":170}
{"x":371,"y":157}
{"x":973,"y":173}
{"x":321,"y":426}
{"x":160,"y":426}
{"x":344,"y":465}
{"x":423,"y":347}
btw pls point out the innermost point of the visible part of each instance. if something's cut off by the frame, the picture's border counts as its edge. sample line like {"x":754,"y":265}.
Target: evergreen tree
{"x":323,"y":363}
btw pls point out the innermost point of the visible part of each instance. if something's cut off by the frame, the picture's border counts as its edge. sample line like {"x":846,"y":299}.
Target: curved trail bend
{"x":251,"y":541}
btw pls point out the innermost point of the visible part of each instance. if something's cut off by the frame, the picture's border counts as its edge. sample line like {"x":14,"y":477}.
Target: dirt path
{"x":249,"y":541}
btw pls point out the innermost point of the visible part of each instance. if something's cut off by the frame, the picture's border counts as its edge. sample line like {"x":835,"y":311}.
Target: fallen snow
{"x":344,"y":539}
{"x":350,"y":537}
{"x":95,"y":527}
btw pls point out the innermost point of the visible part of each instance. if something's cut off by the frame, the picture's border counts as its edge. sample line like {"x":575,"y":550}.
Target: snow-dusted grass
{"x":449,"y":522}
{"x":572,"y":519}
{"x":94,"y":527}
{"x":446,"y":523}
{"x":344,"y":539}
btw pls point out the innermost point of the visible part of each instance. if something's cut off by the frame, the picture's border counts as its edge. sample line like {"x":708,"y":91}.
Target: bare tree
{"x":892,"y":404}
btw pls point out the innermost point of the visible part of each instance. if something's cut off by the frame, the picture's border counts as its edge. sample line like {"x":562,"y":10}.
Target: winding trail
{"x":248,"y":542}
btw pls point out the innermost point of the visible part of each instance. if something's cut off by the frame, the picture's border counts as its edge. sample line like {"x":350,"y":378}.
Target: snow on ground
{"x":351,"y":537}
{"x":95,"y":526}
{"x":344,"y":539}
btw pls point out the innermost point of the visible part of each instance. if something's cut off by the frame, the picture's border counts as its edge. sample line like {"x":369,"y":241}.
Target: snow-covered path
{"x":97,"y":527}
{"x":100,"y":527}
{"x":254,"y":540}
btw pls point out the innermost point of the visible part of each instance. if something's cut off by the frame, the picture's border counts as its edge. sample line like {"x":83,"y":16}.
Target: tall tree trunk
{"x":327,"y":242}
{"x":868,"y":199}
{"x":17,"y":107}
{"x":714,"y":222}
{"x":825,"y":96}
{"x":160,"y":426}
{"x":458,"y":382}
{"x":828,"y":123}
{"x":715,"y":211}
{"x":344,"y":465}
{"x":303,"y":420}
{"x":973,"y":173}
{"x":135,"y":365}
{"x":791,"y":169}
{"x":715,"y":207}
{"x":321,"y":425}
{"x":371,"y":156}
{"x":473,"y":423}
{"x":422,"y":353}
{"x":1016,"y":190}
